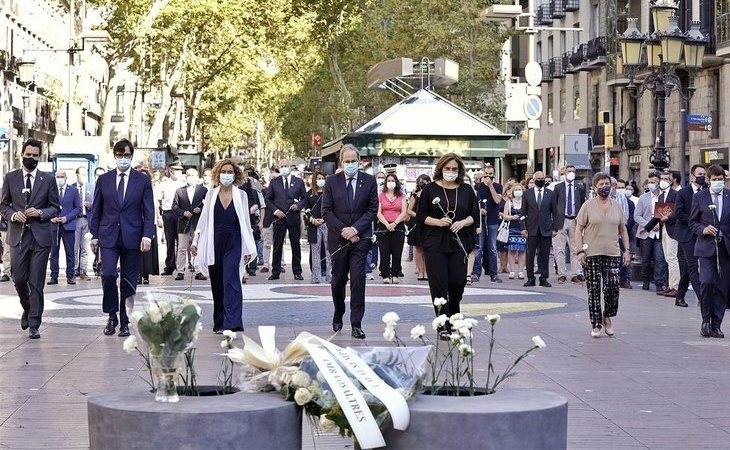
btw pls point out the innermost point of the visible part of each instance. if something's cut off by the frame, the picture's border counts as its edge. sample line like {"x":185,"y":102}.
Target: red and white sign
{"x":316,"y":139}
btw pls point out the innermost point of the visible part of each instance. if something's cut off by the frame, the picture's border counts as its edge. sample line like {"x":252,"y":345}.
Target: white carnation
{"x":455,"y":317}
{"x":465,"y":332}
{"x":135,"y":317}
{"x":154,"y":314}
{"x":439,"y":321}
{"x":229,"y":334}
{"x":301,"y":379}
{"x":439,"y":301}
{"x":436,"y":200}
{"x":130,"y":344}
{"x":465,"y":349}
{"x":391,"y":318}
{"x":326,"y":424}
{"x":493,"y":318}
{"x":470,"y":323}
{"x":538,"y":342}
{"x":165,"y":307}
{"x":302,"y":396}
{"x":236,"y":355}
{"x":456,"y":338}
{"x":389,"y":334}
{"x":224,"y":343}
{"x":418,"y":331}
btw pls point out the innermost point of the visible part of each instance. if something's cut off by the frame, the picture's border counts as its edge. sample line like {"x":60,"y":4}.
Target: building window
{"x":550,"y":47}
{"x":576,"y":103}
{"x":538,"y":52}
{"x":550,"y":109}
{"x":119,"y":102}
{"x":576,"y":36}
{"x":562,"y":105}
{"x":714,"y":102}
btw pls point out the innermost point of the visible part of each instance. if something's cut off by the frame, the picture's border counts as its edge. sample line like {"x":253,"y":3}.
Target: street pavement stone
{"x":656,"y":384}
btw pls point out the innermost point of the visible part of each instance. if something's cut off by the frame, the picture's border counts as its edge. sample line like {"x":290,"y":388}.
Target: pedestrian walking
{"x":599,"y":221}
{"x":516,"y":243}
{"x":63,"y":229}
{"x":688,"y":263}
{"x":568,"y":198}
{"x":317,"y":230}
{"x":538,"y":228}
{"x":223,"y":244}
{"x":168,"y":189}
{"x":187,"y":206}
{"x":649,"y":231}
{"x":392,"y":213}
{"x":82,"y":234}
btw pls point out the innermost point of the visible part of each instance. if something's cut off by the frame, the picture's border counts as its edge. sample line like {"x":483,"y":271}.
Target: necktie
{"x":350,"y":191}
{"x":120,"y":189}
{"x":61,"y":194}
{"x":539,"y":197}
{"x":570,"y":200}
{"x":716,"y":202}
{"x":28,"y":187}
{"x":83,"y":199}
{"x":286,"y":184}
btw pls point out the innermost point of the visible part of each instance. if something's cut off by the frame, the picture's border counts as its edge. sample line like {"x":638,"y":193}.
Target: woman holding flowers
{"x":448,"y":212}
{"x":317,"y":229}
{"x":223,"y":244}
{"x":599,"y":223}
{"x":392,"y":213}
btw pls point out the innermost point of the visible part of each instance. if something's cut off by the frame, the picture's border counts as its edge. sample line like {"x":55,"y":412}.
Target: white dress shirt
{"x":32,"y":177}
{"x":126,"y":180}
{"x":191,"y":193}
{"x":168,"y":189}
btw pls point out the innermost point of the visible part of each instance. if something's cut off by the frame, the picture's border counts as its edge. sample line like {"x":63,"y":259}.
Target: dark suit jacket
{"x":336,"y":210}
{"x":560,"y":197}
{"x":630,"y":222}
{"x":133,"y":219}
{"x":701,"y":216}
{"x":279,"y":198}
{"x":182,"y":203}
{"x":70,"y":207}
{"x":682,"y":232}
{"x":43,"y":197}
{"x":538,"y":221}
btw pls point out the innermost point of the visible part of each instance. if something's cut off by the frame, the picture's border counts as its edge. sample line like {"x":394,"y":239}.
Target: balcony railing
{"x":722,"y":30}
{"x":567,"y":67}
{"x":578,"y":56}
{"x":596,"y":48}
{"x":545,"y":14}
{"x":547,"y":74}
{"x":572,"y":5}
{"x":596,"y":133}
{"x":558,"y":7}
{"x":556,"y":67}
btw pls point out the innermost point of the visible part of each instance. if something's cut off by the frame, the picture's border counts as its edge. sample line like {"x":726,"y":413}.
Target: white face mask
{"x":716,"y":186}
{"x":664,"y":185}
{"x":570,"y":176}
{"x":518,"y":193}
{"x":651,"y":187}
{"x":391,"y":185}
{"x":124,"y":163}
{"x":61,"y":182}
{"x":450,"y":176}
{"x":284,"y":171}
{"x":320,"y":183}
{"x":227,"y":179}
{"x":192,"y":181}
{"x":628,"y":192}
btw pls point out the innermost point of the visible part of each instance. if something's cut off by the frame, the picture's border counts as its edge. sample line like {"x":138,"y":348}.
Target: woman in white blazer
{"x":223,"y":244}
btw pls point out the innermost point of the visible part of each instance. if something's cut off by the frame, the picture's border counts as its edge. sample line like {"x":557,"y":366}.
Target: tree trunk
{"x":193,"y":115}
{"x":168,"y":85}
{"x":339,"y":82}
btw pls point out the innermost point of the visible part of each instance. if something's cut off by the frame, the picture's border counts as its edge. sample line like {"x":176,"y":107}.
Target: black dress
{"x":414,"y":233}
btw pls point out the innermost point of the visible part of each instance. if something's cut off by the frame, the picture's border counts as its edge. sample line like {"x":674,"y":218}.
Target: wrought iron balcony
{"x":572,"y":5}
{"x":630,"y":133}
{"x":547,"y":74}
{"x":545,"y":14}
{"x":578,"y":56}
{"x":558,"y":7}
{"x":556,"y":67}
{"x":596,"y":49}
{"x":567,"y":66}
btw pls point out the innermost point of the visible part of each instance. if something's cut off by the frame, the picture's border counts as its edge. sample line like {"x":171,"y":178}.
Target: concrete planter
{"x":135,"y":420}
{"x":510,"y":419}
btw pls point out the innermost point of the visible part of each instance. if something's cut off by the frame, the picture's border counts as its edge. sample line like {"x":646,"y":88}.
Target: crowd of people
{"x":230,"y":224}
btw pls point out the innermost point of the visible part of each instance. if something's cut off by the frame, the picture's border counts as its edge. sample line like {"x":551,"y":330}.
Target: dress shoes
{"x":574,"y":279}
{"x":52,"y":281}
{"x":680,"y":302}
{"x":179,"y":277}
{"x":123,"y":331}
{"x":167,"y":272}
{"x":273,"y":277}
{"x":496,"y":279}
{"x":626,"y":285}
{"x":200,"y":277}
{"x":705,"y":330}
{"x":357,"y":333}
{"x":264,"y":270}
{"x":298,"y":277}
{"x":670,"y":293}
{"x":545,"y":283}
{"x":111,"y":324}
{"x":4,"y":278}
{"x":645,"y":286}
{"x":84,"y":277}
{"x":716,"y":333}
{"x":33,"y":333}
{"x":336,"y":326}
{"x":529,"y":283}
{"x":70,"y":281}
{"x":24,"y":321}
{"x":563,"y":279}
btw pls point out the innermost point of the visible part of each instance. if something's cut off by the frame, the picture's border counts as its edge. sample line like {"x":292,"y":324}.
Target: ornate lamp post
{"x":667,"y":49}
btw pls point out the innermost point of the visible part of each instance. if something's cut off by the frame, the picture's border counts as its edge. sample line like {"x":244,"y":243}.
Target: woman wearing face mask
{"x":223,"y":244}
{"x":414,"y":236}
{"x":392,"y":212}
{"x":372,"y":258}
{"x":317,"y":230}
{"x":516,"y":243}
{"x":455,"y":213}
{"x":598,"y":223}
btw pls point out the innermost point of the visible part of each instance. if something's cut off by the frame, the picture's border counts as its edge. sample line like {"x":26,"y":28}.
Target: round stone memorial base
{"x":509,"y":419}
{"x":127,"y":421}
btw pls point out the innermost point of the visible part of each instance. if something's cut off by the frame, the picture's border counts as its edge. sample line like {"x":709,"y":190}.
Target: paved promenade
{"x":656,"y":384}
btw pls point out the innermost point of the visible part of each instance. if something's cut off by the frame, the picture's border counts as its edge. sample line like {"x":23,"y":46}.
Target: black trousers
{"x":281,"y":227}
{"x":59,"y":235}
{"x":715,"y":286}
{"x":350,"y":262}
{"x":28,"y":261}
{"x":688,"y":270}
{"x":169,"y":224}
{"x":130,"y":264}
{"x":541,"y":245}
{"x":446,"y":278}
{"x":390,"y":245}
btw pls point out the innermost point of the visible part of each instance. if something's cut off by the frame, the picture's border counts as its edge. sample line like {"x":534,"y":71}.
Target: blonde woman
{"x":223,"y":244}
{"x":516,"y":244}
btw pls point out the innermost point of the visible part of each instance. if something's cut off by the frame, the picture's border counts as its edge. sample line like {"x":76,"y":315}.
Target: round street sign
{"x":533,"y":107}
{"x":533,"y":73}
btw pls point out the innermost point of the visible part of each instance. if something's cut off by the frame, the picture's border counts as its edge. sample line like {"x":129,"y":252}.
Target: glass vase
{"x":166,"y":372}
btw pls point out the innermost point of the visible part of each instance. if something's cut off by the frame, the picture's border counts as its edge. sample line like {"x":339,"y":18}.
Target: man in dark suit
{"x":29,"y":202}
{"x":64,"y":229}
{"x":349,"y":206}
{"x":622,"y":189}
{"x":710,"y":221}
{"x":688,"y":263}
{"x":568,"y":197}
{"x":81,"y":240}
{"x":122,"y":226}
{"x":539,"y":228}
{"x":285,"y":197}
{"x":187,"y":205}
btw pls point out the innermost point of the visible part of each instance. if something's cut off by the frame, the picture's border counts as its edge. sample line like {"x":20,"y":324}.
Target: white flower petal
{"x":538,"y":342}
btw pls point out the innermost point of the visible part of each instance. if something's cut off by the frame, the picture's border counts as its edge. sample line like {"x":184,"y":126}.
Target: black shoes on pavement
{"x":33,"y":333}
{"x":110,"y":327}
{"x":357,"y":333}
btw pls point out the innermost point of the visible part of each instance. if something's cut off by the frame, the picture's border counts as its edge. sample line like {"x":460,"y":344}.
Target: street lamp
{"x":26,"y":75}
{"x":667,"y":49}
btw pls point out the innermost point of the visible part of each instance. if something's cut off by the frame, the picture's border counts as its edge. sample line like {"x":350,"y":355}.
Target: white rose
{"x":165,"y":307}
{"x":154,"y":314}
{"x":135,"y":317}
{"x":229,"y":334}
{"x":493,"y":318}
{"x":224,"y":343}
{"x":236,"y":355}
{"x":418,"y":331}
{"x":439,"y":301}
{"x":538,"y":342}
{"x":439,"y":322}
{"x":326,"y":424}
{"x":390,"y":318}
{"x":302,"y":396}
{"x":465,"y":350}
{"x":455,"y":317}
{"x":389,"y":334}
{"x":130,"y":344}
{"x":301,"y":379}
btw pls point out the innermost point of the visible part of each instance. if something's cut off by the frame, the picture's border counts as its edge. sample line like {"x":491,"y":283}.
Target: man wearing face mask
{"x":122,"y":226}
{"x":669,"y":244}
{"x":285,"y":197}
{"x":710,"y":221}
{"x":187,"y":206}
{"x":64,"y":228}
{"x":649,"y":231}
{"x":169,"y":218}
{"x":81,"y":244}
{"x":567,"y":201}
{"x":490,"y":200}
{"x":688,"y":262}
{"x":29,"y":201}
{"x":623,"y":190}
{"x":539,"y":228}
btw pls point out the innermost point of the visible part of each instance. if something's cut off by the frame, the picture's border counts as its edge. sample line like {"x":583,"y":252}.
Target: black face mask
{"x":422,"y":184}
{"x":540,"y":183}
{"x":30,"y":163}
{"x":701,"y":181}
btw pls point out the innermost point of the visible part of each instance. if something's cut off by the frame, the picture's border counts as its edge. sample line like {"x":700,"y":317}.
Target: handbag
{"x":503,"y":232}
